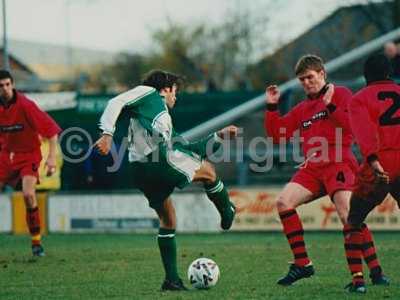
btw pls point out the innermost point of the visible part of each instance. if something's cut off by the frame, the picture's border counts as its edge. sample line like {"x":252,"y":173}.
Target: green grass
{"x":129,"y":267}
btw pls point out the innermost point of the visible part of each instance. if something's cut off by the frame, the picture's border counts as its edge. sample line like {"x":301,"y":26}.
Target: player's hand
{"x":272,"y":94}
{"x":380,"y":175}
{"x":228,"y":132}
{"x":51,"y":164}
{"x":327,"y":98}
{"x":103,"y":144}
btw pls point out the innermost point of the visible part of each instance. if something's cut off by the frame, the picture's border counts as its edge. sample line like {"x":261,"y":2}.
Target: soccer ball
{"x":203,"y":273}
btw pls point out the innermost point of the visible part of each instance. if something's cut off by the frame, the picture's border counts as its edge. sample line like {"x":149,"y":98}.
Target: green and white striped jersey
{"x":151,"y":120}
{"x":150,"y":126}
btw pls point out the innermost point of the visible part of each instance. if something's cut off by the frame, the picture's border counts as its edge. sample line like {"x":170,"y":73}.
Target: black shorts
{"x":157,"y":180}
{"x":360,"y":207}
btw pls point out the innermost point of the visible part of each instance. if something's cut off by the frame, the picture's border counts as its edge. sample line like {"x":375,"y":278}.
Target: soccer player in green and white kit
{"x":164,"y":160}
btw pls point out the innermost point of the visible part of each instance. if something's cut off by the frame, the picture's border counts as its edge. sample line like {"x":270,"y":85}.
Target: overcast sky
{"x":118,"y":25}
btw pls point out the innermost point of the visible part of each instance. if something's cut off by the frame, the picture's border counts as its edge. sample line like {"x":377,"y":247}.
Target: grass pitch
{"x":129,"y":267}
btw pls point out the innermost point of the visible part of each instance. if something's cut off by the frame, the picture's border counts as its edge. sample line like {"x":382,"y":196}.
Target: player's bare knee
{"x":28,"y":195}
{"x":29,"y":198}
{"x":343,"y":216}
{"x":207,"y":173}
{"x":167,"y":223}
{"x":166,"y":215}
{"x":282,"y":203}
{"x":211,"y":176}
{"x":343,"y":213}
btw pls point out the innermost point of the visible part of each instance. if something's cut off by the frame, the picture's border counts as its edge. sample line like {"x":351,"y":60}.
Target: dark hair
{"x":309,"y":62}
{"x":4,"y":74}
{"x":159,"y":79}
{"x":377,"y":67}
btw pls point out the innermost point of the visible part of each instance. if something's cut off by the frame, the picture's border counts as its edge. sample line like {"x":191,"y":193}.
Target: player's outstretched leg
{"x":292,"y":196}
{"x":357,"y":241}
{"x":293,"y":229}
{"x":353,"y":238}
{"x":371,"y":258}
{"x":32,"y":214}
{"x":217,"y":193}
{"x":167,"y":245}
{"x":33,"y":221}
{"x":360,"y":206}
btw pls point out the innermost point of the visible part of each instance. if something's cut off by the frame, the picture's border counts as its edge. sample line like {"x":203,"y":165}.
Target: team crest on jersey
{"x":11,"y":128}
{"x":318,"y":116}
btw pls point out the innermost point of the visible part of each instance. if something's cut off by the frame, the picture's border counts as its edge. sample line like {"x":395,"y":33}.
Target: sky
{"x":126,"y":25}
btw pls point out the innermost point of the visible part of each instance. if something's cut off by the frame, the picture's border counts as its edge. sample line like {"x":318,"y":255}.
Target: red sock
{"x":293,"y":229}
{"x":369,"y":252}
{"x":353,"y":240}
{"x":33,"y":222}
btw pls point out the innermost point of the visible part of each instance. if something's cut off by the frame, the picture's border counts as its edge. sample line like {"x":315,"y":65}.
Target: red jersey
{"x":375,"y":118}
{"x":21,"y":123}
{"x":315,"y":121}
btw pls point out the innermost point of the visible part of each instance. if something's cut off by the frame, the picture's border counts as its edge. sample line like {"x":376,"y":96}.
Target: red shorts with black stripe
{"x":326,"y":179}
{"x":14,"y":166}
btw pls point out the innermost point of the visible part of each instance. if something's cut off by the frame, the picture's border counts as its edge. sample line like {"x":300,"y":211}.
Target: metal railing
{"x":256,"y":103}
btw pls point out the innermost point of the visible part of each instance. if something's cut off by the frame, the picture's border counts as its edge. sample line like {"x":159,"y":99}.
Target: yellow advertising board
{"x":52,"y":182}
{"x":19,"y":213}
{"x":256,"y":210}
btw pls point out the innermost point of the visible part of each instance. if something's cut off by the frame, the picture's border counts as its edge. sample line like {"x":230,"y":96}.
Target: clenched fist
{"x":272,"y":94}
{"x":103,"y":144}
{"x":228,"y":132}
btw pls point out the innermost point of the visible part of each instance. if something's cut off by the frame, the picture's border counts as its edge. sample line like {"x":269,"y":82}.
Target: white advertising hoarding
{"x":127,"y":212}
{"x":5,"y":213}
{"x":256,"y":211}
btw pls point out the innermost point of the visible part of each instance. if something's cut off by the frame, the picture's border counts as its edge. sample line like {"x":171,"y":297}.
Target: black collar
{"x":320,"y":93}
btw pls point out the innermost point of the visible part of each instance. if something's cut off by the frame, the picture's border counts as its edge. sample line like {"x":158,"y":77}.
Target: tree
{"x":215,"y":56}
{"x":129,"y":69}
{"x":396,"y":13}
{"x":212,"y":57}
{"x":175,"y":50}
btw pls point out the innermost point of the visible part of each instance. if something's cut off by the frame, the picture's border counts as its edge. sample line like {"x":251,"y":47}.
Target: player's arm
{"x":104,"y":143}
{"x":51,"y":161}
{"x":278,"y":126}
{"x":47,"y":128}
{"x":366,"y":134}
{"x":337,"y":104}
{"x":113,"y":109}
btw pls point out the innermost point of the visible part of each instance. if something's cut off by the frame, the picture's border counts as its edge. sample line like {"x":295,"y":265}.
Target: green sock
{"x":218,"y":194}
{"x":167,"y":245}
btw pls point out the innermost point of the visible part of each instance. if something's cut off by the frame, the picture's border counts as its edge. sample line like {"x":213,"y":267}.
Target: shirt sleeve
{"x":114,"y":107}
{"x":277,"y":126}
{"x":202,"y":147}
{"x":207,"y":145}
{"x":40,"y":120}
{"x":364,"y":129}
{"x":338,"y":108}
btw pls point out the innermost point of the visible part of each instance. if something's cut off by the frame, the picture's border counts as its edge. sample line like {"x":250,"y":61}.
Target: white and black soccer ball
{"x":203,"y":273}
